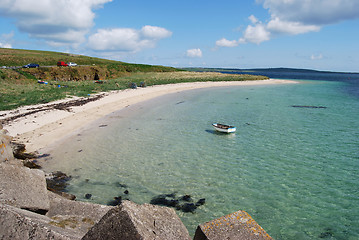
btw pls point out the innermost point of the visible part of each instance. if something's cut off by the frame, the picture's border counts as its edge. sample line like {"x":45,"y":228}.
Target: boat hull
{"x":224,"y":128}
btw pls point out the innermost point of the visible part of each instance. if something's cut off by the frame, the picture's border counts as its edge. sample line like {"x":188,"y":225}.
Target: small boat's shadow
{"x":219,"y":133}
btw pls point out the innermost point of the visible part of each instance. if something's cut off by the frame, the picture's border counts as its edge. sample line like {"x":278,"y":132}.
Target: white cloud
{"x":256,"y":34}
{"x":196,"y":52}
{"x":127,"y":39}
{"x":316,"y":57}
{"x":226,"y":43}
{"x":59,"y":22}
{"x":6,"y":39}
{"x":5,"y":45}
{"x":155,"y":32}
{"x":253,"y":19}
{"x":313,"y":12}
{"x":296,"y":17}
{"x":277,"y":25}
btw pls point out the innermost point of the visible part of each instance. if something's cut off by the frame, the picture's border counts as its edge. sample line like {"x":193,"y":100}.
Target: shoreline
{"x":40,"y":126}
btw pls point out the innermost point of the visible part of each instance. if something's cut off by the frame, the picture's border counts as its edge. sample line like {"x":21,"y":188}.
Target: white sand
{"x":44,"y":128}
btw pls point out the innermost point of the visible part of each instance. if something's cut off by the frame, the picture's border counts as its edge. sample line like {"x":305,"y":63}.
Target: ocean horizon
{"x":292,"y":164}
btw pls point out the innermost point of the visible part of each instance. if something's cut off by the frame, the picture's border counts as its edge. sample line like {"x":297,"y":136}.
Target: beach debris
{"x":183,"y":203}
{"x":103,"y":125}
{"x":58,"y":106}
{"x":305,"y":106}
{"x":42,"y":82}
{"x":44,"y":155}
{"x":132,"y":85}
{"x":143,"y":84}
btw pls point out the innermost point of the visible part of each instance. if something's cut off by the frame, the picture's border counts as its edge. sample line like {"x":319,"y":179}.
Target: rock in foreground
{"x":132,"y":221}
{"x":23,"y":187}
{"x":239,"y":225}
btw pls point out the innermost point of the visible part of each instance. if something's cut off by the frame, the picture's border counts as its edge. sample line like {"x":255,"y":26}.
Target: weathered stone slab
{"x":5,"y":147}
{"x":132,"y":221}
{"x":239,"y":225}
{"x":23,"y":187}
{"x":19,"y":224}
{"x":89,"y":211}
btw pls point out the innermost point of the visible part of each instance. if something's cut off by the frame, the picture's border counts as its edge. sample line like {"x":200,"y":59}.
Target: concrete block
{"x":19,"y":224}
{"x":5,"y":147}
{"x":239,"y":225}
{"x":60,"y":206}
{"x":132,"y":221}
{"x":23,"y":187}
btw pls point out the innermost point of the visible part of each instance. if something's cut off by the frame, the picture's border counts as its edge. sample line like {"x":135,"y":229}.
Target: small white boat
{"x":224,"y":128}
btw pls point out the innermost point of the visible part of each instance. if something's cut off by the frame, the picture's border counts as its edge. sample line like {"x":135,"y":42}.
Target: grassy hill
{"x":19,"y":57}
{"x":27,"y":86}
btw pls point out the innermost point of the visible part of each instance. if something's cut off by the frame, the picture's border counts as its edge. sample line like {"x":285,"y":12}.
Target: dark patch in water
{"x":300,"y":106}
{"x":328,"y":233}
{"x":183,"y":203}
{"x":116,"y":201}
{"x":179,"y":102}
{"x":118,"y":184}
{"x":57,"y":181}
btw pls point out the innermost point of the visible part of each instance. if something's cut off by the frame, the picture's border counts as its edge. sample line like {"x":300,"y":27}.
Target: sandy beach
{"x":42,"y":125}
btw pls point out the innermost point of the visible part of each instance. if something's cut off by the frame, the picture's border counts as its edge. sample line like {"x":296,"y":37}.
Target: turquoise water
{"x":294,"y":170}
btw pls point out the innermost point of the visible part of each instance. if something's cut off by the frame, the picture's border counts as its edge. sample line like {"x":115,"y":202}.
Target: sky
{"x":312,"y":34}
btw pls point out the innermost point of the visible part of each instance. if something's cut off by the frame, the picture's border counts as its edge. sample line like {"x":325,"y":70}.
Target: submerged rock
{"x":187,"y":207}
{"x":57,"y":181}
{"x":31,"y":164}
{"x":304,"y":106}
{"x":201,"y":202}
{"x":186,"y":198}
{"x":115,"y":202}
{"x":183,"y":203}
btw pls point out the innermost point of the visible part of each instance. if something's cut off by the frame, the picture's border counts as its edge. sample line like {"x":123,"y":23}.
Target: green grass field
{"x":20,"y":87}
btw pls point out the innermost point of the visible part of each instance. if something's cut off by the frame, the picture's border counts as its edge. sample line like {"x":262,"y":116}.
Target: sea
{"x":293,"y":164}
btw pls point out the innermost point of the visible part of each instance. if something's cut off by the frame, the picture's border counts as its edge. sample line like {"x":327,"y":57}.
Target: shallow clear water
{"x":294,"y":170}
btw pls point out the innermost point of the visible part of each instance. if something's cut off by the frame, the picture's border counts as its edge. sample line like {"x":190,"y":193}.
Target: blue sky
{"x":315,"y":34}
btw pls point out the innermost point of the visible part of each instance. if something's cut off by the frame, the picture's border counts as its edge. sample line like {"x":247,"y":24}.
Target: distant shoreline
{"x":45,"y":126}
